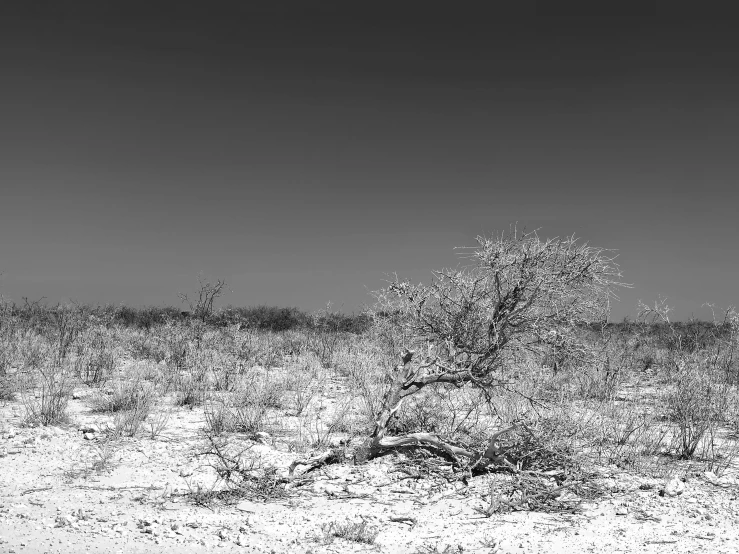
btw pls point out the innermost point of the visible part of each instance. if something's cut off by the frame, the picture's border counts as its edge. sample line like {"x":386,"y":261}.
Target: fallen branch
{"x":29,"y":491}
{"x":314,"y":462}
{"x":494,"y":454}
{"x":404,"y":519}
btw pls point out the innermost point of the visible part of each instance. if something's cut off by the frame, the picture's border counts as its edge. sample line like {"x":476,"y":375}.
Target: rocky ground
{"x":64,"y":489}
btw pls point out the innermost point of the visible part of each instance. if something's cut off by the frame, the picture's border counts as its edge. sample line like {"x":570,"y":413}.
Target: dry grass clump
{"x":129,"y":401}
{"x":124,"y":395}
{"x":359,"y":532}
{"x":245,"y":409}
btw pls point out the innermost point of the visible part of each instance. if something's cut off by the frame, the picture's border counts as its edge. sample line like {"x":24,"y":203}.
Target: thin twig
{"x":29,"y":491}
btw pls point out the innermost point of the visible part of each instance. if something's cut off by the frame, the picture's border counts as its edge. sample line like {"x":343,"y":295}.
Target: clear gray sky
{"x":302,"y":153}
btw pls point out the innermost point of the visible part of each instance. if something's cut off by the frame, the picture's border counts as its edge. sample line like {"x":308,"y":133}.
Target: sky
{"x":304,"y":153}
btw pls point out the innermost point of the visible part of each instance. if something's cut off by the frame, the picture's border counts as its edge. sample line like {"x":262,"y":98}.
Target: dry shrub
{"x":364,"y":363}
{"x":157,"y":423}
{"x":127,"y":423}
{"x":697,"y":403}
{"x":130,"y":401}
{"x":550,"y":476}
{"x":125,"y":395}
{"x":245,"y":410}
{"x":319,"y":431}
{"x":105,"y":453}
{"x":96,"y":356}
{"x":7,"y":389}
{"x":191,"y":392}
{"x":49,"y":405}
{"x":302,"y":380}
{"x":242,"y":473}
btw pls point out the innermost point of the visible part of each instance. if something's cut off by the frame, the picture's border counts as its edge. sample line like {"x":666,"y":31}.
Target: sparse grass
{"x":191,"y":393}
{"x":245,"y":410}
{"x":359,"y":532}
{"x":7,"y":390}
{"x":157,"y":423}
{"x":428,"y":548}
{"x":105,"y":453}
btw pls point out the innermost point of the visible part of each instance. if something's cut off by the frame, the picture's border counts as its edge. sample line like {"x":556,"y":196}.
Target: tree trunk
{"x":378,"y":443}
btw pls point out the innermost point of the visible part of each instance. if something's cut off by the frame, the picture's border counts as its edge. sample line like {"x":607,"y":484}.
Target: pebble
{"x":674,"y":487}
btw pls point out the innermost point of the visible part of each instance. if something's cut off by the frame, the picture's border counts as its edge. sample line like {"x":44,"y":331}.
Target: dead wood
{"x":412,"y":521}
{"x":314,"y":462}
{"x":406,"y":381}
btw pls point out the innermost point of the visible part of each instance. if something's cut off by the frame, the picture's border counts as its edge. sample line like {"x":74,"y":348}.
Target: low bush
{"x":49,"y":406}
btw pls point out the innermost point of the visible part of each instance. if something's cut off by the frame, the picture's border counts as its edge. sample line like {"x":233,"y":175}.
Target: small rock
{"x":88,"y":436}
{"x":622,"y":511}
{"x":247,"y":506}
{"x":328,"y":488}
{"x":360,"y":490}
{"x":674,"y":487}
{"x":62,"y":521}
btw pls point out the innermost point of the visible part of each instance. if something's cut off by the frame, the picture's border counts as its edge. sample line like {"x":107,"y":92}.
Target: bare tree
{"x":202,"y":307}
{"x":517,"y":292}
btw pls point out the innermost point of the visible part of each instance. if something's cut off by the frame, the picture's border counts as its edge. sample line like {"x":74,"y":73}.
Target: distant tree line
{"x":263,"y":318}
{"x":690,"y":335}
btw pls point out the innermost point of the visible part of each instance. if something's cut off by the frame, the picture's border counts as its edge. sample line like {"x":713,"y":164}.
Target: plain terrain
{"x":149,"y":431}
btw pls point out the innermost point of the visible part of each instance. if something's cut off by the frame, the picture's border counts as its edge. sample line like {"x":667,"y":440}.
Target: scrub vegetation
{"x":508,"y":365}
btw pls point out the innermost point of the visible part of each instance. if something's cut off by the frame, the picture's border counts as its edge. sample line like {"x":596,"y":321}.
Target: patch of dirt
{"x":64,"y":489}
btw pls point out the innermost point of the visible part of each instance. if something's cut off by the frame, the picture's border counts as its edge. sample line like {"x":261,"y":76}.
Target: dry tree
{"x":517,"y":292}
{"x":202,"y":307}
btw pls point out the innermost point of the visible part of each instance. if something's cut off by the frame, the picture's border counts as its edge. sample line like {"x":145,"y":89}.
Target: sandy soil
{"x":52,"y":500}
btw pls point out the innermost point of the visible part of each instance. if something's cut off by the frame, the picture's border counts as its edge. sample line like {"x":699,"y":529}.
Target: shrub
{"x":245,"y":411}
{"x":7,"y":391}
{"x":145,"y":318}
{"x":49,"y":407}
{"x":472,"y":323}
{"x":130,"y":401}
{"x":697,"y":404}
{"x":131,"y":394}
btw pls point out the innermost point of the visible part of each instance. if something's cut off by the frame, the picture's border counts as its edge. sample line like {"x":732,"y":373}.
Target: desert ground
{"x":271,"y":430}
